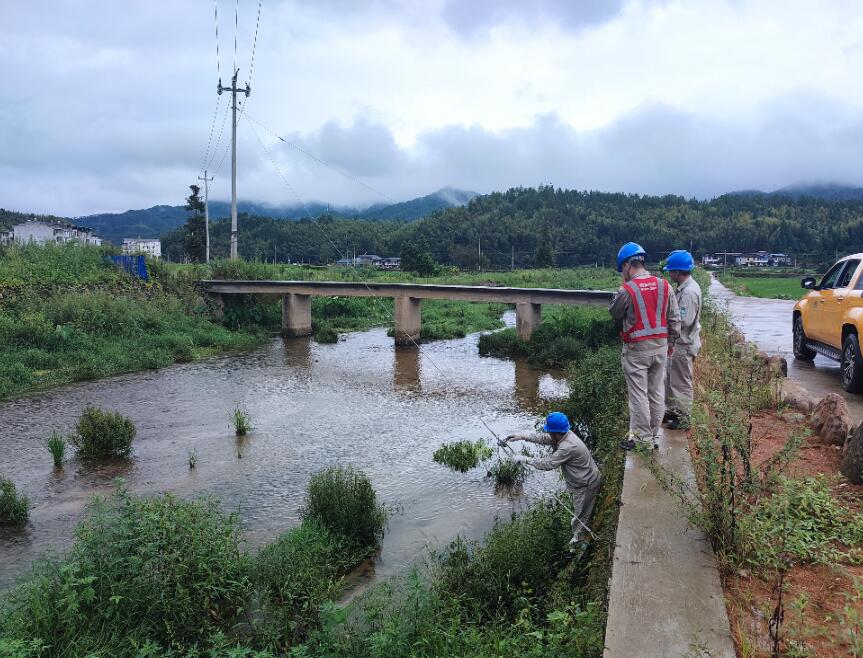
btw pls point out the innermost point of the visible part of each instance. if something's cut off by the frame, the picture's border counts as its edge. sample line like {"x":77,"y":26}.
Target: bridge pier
{"x":408,"y":320}
{"x":527,"y":318}
{"x":296,"y":314}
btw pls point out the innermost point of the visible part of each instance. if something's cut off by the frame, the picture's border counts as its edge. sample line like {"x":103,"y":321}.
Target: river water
{"x":359,"y":402}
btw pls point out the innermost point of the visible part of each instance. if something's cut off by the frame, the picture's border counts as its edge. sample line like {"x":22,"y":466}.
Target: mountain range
{"x":157,"y":220}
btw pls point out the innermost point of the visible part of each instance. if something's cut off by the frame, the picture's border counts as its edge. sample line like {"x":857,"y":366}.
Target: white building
{"x":146,"y":246}
{"x":41,"y":232}
{"x":758,"y":259}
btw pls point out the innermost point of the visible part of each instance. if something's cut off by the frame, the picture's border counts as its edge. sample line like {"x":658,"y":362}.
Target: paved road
{"x":767,"y":323}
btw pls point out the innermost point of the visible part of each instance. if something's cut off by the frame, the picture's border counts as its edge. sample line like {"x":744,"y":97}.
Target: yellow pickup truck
{"x":829,"y":319}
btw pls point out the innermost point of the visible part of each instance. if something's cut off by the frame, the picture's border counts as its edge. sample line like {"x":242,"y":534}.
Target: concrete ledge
{"x":666,"y":598}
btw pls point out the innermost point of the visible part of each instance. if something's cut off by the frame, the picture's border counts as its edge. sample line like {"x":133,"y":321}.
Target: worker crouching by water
{"x":580,"y":473}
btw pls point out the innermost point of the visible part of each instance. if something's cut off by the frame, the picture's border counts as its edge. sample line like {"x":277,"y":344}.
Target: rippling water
{"x":360,"y":402}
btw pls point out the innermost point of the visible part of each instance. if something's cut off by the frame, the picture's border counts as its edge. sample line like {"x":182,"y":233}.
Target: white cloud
{"x":109,"y":104}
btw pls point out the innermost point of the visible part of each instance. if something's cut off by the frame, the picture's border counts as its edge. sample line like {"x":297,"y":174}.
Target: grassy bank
{"x":767,"y":287}
{"x":67,"y":315}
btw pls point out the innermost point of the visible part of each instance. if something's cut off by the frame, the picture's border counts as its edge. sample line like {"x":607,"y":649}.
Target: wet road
{"x":358,"y":402}
{"x":767,"y":323}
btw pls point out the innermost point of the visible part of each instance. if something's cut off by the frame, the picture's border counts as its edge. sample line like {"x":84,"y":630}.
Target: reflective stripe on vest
{"x":644,"y":328}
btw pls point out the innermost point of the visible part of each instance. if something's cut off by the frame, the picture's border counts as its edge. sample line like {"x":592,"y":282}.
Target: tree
{"x":544,"y":256}
{"x":417,"y":261}
{"x":194,"y":232}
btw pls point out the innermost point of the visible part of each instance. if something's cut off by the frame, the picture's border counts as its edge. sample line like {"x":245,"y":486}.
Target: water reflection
{"x":406,"y":369}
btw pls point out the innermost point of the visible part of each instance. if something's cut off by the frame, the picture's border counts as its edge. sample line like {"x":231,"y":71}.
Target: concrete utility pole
{"x":233,"y":89}
{"x":206,"y":214}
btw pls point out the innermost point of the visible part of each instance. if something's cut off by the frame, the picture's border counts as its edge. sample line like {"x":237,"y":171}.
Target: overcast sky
{"x":108,"y":105}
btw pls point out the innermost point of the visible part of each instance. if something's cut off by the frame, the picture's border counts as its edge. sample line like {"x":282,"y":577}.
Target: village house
{"x":146,"y":246}
{"x":42,"y":232}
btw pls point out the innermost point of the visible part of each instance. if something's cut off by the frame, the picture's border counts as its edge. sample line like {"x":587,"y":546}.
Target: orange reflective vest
{"x":649,"y":296}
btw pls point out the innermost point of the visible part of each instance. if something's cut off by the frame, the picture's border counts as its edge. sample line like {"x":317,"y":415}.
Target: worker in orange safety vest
{"x":647,"y":310}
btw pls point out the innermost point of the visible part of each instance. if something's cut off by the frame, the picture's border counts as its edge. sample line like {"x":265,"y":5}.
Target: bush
{"x":462,"y":455}
{"x":295,"y":575}
{"x":14,"y":508}
{"x":142,"y":570}
{"x":102,"y":434}
{"x":343,"y":501}
{"x":520,"y":559}
{"x":326,"y":334}
{"x":507,"y":473}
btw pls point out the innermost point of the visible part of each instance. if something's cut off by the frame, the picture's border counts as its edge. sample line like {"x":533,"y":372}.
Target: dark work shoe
{"x":678,"y":424}
{"x":628,"y":444}
{"x":669,"y":416}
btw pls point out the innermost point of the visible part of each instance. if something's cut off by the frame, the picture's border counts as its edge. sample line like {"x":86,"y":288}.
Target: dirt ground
{"x":823,"y":603}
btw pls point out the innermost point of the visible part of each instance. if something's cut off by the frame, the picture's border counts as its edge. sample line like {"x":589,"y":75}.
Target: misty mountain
{"x":155,"y":221}
{"x":822,"y":191}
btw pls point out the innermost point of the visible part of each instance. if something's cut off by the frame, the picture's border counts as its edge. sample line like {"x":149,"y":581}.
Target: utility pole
{"x":233,"y":89}
{"x":206,"y":214}
{"x":512,"y":257}
{"x":479,"y":254}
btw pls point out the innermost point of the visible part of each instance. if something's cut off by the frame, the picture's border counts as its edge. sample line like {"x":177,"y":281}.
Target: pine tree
{"x":194,"y":238}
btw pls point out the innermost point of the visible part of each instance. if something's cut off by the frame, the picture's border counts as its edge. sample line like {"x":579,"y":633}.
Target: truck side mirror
{"x":808,"y":282}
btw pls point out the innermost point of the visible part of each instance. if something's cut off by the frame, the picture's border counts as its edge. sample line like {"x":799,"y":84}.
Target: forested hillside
{"x":530,"y":226}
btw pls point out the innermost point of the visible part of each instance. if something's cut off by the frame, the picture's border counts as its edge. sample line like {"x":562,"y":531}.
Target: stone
{"x":796,"y":397}
{"x":852,"y":457}
{"x":831,"y":419}
{"x":777,"y":366}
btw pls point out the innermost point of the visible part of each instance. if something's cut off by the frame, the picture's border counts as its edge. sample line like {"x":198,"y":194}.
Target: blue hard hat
{"x":680,"y":260}
{"x":556,"y":422}
{"x":626,"y":252}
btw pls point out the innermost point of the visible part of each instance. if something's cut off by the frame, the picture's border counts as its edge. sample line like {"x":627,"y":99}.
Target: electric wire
{"x":236,"y":27}
{"x":364,"y":281}
{"x":255,"y":43}
{"x":212,"y":131}
{"x":322,"y":162}
{"x":216,"y":19}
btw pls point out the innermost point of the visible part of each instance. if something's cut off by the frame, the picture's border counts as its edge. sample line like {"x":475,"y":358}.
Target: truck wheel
{"x":801,"y":351}
{"x":852,"y":365}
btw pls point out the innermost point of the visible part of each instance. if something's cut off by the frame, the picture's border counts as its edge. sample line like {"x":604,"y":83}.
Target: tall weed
{"x":14,"y":507}
{"x":103,"y":434}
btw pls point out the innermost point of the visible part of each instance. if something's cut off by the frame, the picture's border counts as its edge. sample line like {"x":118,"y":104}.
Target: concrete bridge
{"x":297,"y":300}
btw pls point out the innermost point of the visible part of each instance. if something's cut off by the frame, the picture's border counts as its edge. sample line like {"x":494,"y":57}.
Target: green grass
{"x":462,"y":455}
{"x":507,"y":473}
{"x":14,"y":508}
{"x":241,"y":421}
{"x":103,"y":434}
{"x":766,"y":287}
{"x":56,"y":445}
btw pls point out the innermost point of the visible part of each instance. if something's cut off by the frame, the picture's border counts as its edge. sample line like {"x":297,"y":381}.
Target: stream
{"x":358,"y":402}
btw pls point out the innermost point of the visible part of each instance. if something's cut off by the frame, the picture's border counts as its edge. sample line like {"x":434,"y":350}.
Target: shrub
{"x":295,"y":575}
{"x":142,"y":570}
{"x":462,"y":455}
{"x":507,"y":473}
{"x":14,"y":508}
{"x":102,"y":434}
{"x":326,"y":334}
{"x":344,"y":502}
{"x":57,"y":447}
{"x":241,"y":421}
{"x":520,"y":559}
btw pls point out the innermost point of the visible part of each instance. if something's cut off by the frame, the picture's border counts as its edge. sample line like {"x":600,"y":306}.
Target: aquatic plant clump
{"x":344,"y":502}
{"x":14,"y":508}
{"x":507,"y":473}
{"x":241,"y":421}
{"x":462,"y":456}
{"x":56,"y":445}
{"x":103,"y":434}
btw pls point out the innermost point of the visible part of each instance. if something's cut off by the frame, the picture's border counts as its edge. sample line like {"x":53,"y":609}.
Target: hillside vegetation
{"x":579,"y":228}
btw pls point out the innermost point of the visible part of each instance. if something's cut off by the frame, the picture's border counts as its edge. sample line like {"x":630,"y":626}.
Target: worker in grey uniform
{"x":580,"y":473}
{"x":678,"y":384}
{"x":647,"y":312}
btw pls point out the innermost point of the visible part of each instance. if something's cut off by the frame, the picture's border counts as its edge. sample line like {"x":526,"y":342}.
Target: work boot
{"x":678,"y":423}
{"x":669,"y":417}
{"x":631,"y":442}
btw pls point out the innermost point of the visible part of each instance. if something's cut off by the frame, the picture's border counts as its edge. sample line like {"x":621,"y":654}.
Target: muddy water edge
{"x":359,"y":402}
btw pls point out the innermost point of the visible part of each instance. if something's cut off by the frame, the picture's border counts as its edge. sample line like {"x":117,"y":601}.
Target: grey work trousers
{"x":583,"y":500}
{"x":678,"y":384}
{"x":645,"y":383}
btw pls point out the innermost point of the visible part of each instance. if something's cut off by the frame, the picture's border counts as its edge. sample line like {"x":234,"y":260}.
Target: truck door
{"x":814,"y":322}
{"x":834,"y":305}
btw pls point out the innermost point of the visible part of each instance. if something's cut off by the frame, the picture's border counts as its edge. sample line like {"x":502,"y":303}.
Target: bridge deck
{"x":501,"y":294}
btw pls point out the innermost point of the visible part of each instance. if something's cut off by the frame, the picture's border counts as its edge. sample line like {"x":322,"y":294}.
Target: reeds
{"x":56,"y":445}
{"x":241,"y":421}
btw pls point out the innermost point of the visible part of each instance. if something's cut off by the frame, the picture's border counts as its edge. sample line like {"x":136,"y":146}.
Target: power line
{"x":212,"y":131}
{"x":322,"y":162}
{"x":216,"y":18}
{"x":255,"y":43}
{"x":236,"y":27}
